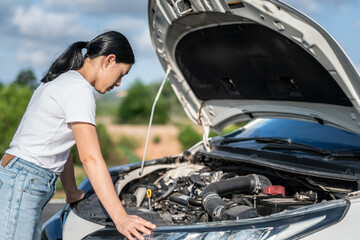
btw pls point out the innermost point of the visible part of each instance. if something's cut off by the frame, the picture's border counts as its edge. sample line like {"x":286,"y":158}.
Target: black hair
{"x":107,"y":43}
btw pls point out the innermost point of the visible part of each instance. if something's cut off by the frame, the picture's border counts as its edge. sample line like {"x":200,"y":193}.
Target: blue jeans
{"x":25,"y":189}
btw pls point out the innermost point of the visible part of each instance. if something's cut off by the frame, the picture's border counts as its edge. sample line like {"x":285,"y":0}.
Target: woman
{"x":60,"y":113}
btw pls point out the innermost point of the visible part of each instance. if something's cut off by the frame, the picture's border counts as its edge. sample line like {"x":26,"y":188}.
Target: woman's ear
{"x":108,"y":59}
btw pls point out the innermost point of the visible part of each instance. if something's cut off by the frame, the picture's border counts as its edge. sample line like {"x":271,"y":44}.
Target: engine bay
{"x":197,"y":188}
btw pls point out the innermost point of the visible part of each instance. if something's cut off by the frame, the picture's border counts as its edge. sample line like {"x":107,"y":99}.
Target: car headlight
{"x":285,"y":225}
{"x":248,"y":234}
{"x":269,"y":233}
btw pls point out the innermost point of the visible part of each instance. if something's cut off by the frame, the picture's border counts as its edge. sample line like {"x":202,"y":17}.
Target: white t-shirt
{"x":44,"y":136}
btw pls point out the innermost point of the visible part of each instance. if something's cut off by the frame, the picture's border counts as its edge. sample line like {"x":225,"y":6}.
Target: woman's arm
{"x":90,"y":155}
{"x":67,"y":177}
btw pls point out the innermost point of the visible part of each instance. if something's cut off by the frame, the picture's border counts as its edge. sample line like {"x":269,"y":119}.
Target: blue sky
{"x":34,"y":32}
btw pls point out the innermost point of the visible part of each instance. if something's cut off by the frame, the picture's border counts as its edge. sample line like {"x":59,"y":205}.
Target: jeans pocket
{"x":8,"y":172}
{"x":36,"y":185}
{"x":7,"y":180}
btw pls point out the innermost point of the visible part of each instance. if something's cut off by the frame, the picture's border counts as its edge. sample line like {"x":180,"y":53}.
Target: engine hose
{"x":213,"y":203}
{"x":184,"y":199}
{"x":194,"y":201}
{"x":169,"y":191}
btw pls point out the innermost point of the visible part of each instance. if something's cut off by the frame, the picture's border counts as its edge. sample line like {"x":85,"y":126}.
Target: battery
{"x":268,"y":206}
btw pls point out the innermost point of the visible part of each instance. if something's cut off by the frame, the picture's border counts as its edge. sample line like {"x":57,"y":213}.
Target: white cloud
{"x":5,"y":9}
{"x":306,"y":6}
{"x":144,"y":41}
{"x":39,"y":35}
{"x":337,"y":2}
{"x":5,"y":3}
{"x":36,"y":58}
{"x":127,"y":24}
{"x":102,"y":7}
{"x":316,"y":6}
{"x":136,"y":30}
{"x":37,"y":23}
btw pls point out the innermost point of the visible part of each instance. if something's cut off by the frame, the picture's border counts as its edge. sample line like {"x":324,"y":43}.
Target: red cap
{"x":274,"y":190}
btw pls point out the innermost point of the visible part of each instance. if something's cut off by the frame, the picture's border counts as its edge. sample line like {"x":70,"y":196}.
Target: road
{"x":51,"y":208}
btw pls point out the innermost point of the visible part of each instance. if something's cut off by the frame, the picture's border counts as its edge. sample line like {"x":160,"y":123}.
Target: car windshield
{"x":307,"y":133}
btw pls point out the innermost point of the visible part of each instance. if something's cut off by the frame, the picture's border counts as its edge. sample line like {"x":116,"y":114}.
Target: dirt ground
{"x":167,"y":134}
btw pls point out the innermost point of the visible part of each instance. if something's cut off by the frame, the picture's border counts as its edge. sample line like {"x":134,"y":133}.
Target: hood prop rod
{"x":206,"y":129}
{"x":151,"y":117}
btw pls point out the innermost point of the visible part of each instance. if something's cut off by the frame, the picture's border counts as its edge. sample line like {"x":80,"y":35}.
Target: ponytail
{"x":71,"y":59}
{"x":103,"y":45}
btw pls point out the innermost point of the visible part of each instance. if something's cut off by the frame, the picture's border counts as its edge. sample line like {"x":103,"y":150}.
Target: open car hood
{"x":231,"y":61}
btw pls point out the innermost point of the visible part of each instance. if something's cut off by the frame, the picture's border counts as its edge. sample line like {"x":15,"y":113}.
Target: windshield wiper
{"x":286,"y":144}
{"x":298,"y":147}
{"x":335,"y":154}
{"x":345,"y":154}
{"x":277,"y":143}
{"x":257,"y":139}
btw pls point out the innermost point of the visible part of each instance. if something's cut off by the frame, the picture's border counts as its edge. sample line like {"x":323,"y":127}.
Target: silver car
{"x":292,"y":172}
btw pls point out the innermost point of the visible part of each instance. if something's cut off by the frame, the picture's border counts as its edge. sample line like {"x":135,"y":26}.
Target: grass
{"x":156,"y":139}
{"x":127,"y":153}
{"x":128,"y":141}
{"x":125,"y":146}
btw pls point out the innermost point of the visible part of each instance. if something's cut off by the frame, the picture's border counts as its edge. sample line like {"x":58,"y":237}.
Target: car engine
{"x":196,"y":189}
{"x":194,"y":193}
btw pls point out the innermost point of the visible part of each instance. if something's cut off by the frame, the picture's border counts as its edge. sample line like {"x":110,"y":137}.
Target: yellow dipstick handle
{"x":148,"y":193}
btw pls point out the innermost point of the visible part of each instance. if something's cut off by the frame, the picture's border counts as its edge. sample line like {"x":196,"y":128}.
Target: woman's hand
{"x":132,"y":226}
{"x":74,"y":196}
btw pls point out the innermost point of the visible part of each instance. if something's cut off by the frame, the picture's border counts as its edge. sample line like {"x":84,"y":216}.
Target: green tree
{"x":26,"y":78}
{"x":188,"y":136}
{"x":136,"y":105}
{"x":13,"y":102}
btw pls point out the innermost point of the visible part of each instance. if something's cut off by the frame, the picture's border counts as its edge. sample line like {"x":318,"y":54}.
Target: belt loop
{"x":12,"y":161}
